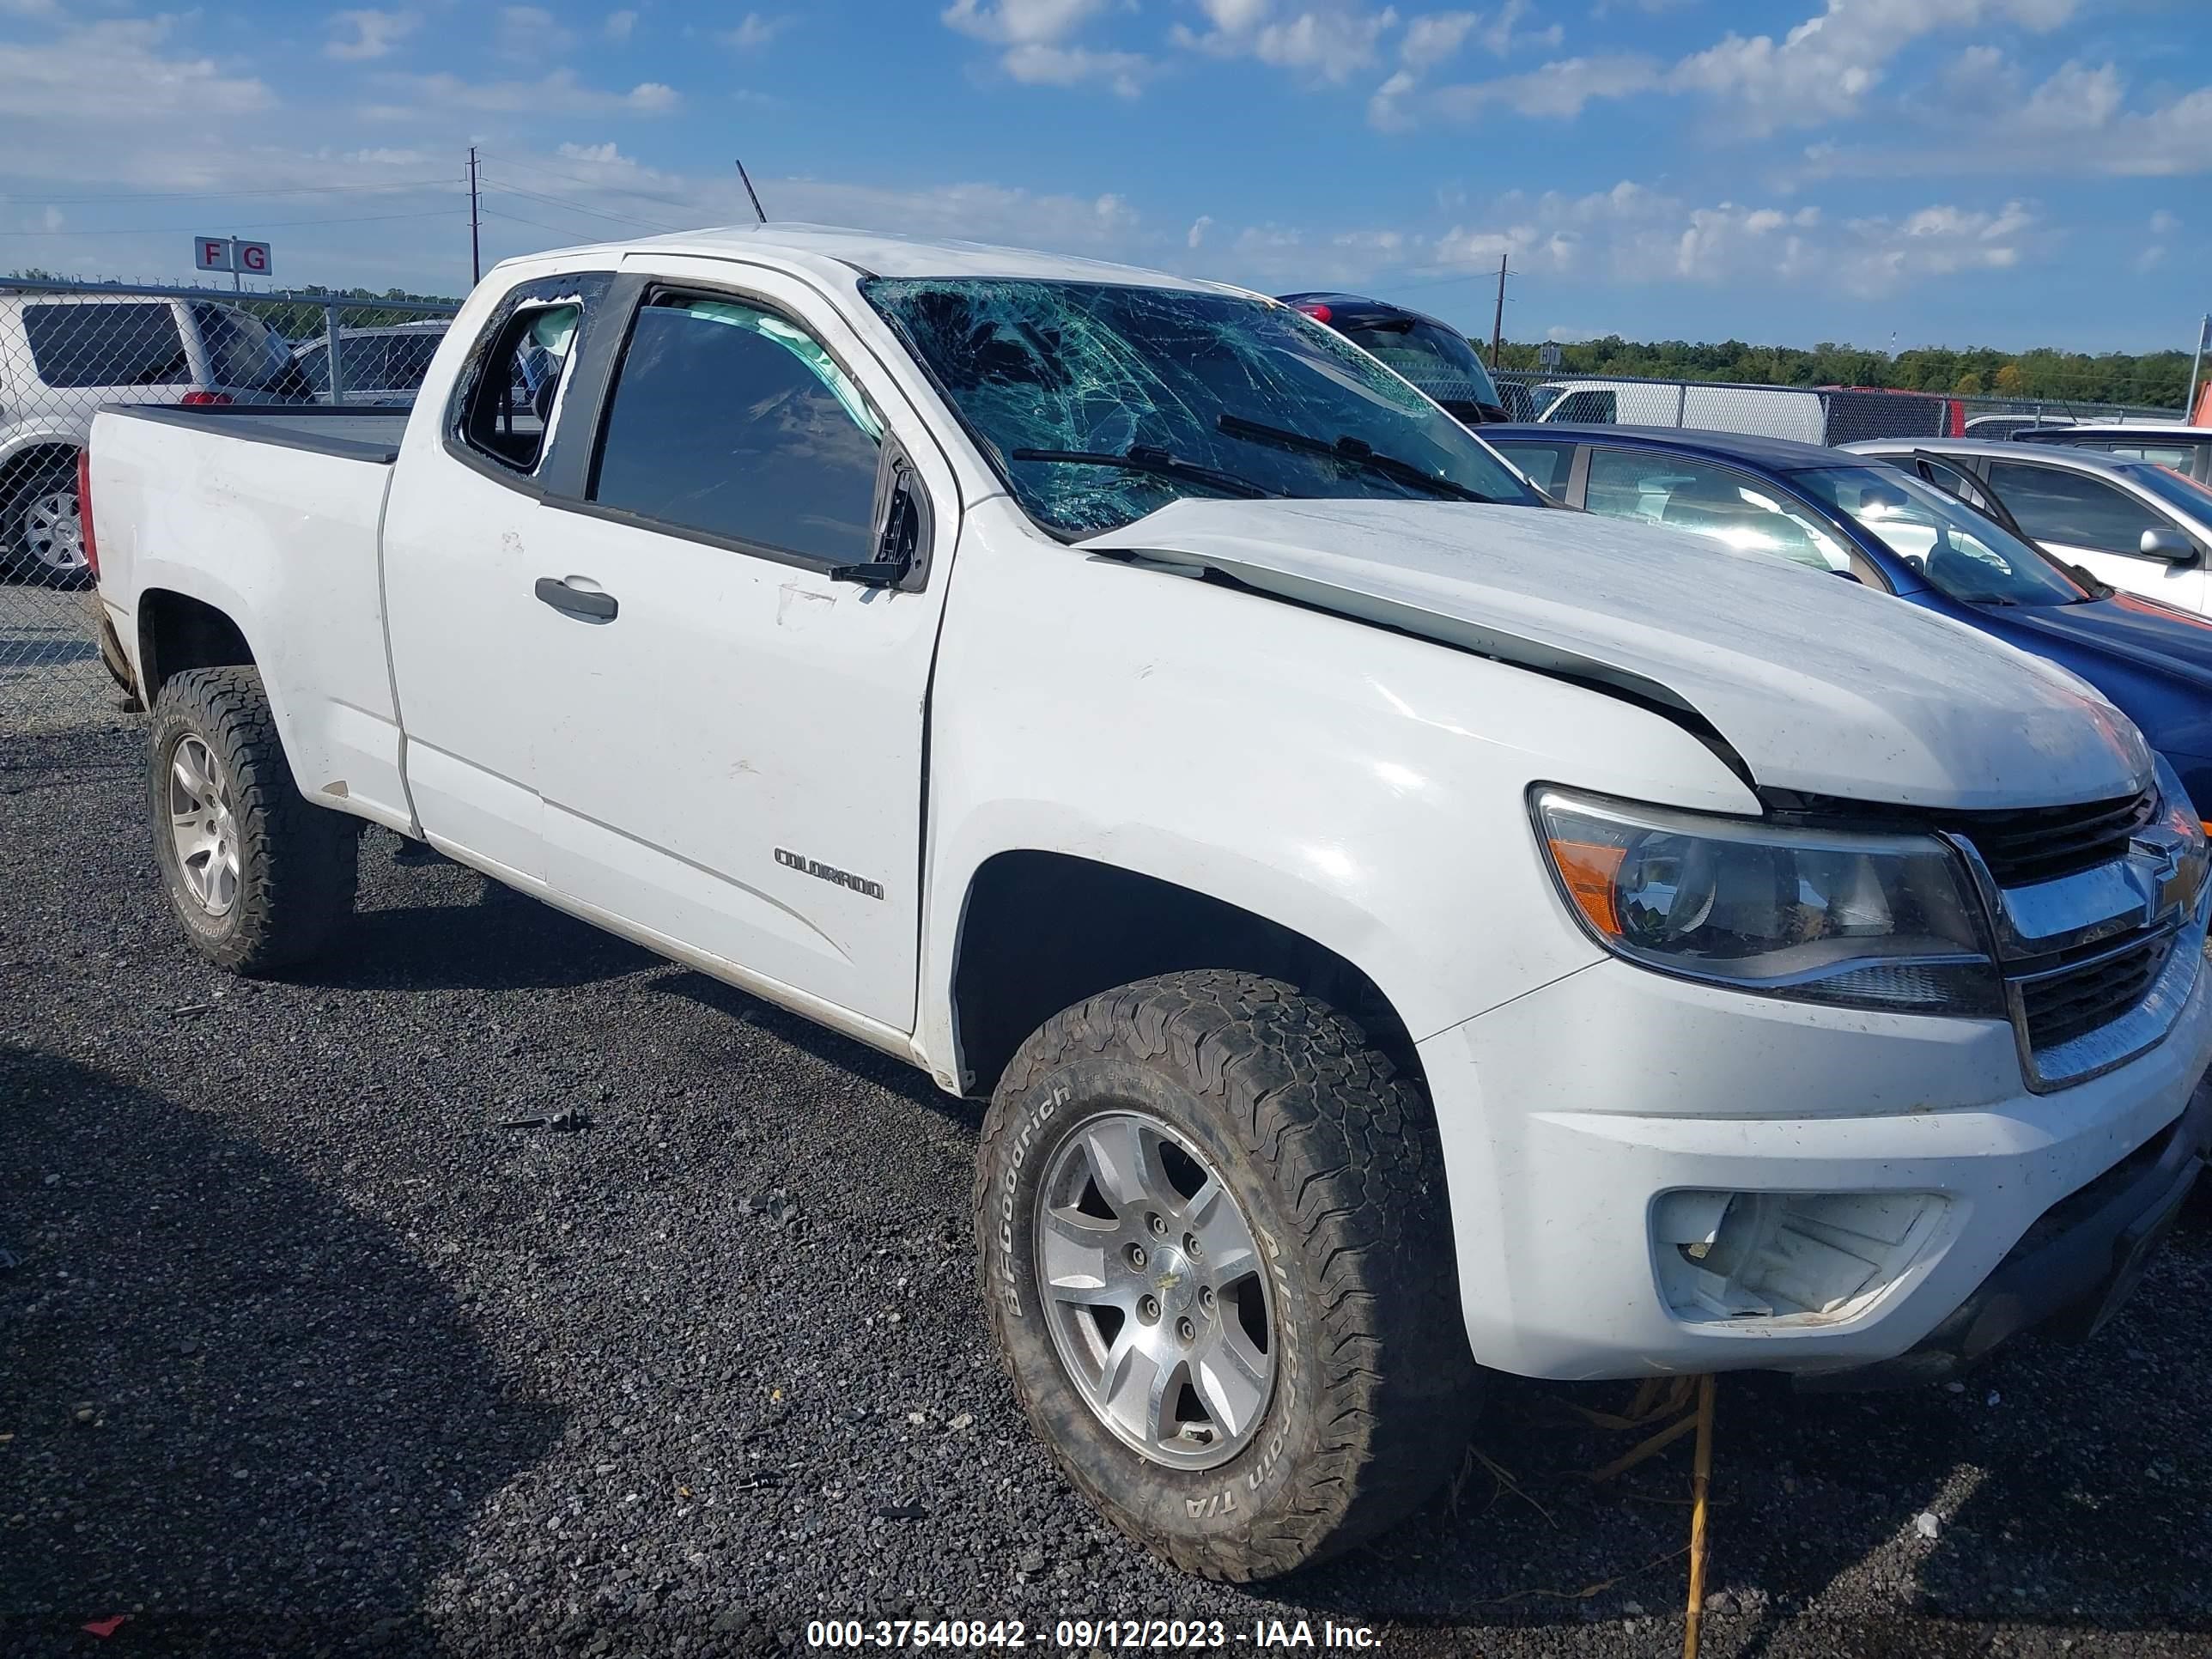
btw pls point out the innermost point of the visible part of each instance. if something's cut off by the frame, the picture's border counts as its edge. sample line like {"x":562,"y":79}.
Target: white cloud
{"x":2074,"y":122}
{"x":1015,"y":23}
{"x":1822,"y":71}
{"x":1632,"y":235}
{"x":1502,"y":34}
{"x":754,"y":31}
{"x":1034,"y":34}
{"x":115,"y":69}
{"x":596,"y":155}
{"x":1033,"y":64}
{"x":1431,"y":39}
{"x":364,"y":35}
{"x":530,"y":33}
{"x":619,"y":24}
{"x":1199,"y":226}
{"x":560,"y":92}
{"x":1558,"y":89}
{"x":2163,"y":223}
{"x":1823,"y":68}
{"x":1326,"y":40}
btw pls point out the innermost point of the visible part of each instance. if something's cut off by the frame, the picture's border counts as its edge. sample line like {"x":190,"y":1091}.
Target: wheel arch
{"x":1039,"y":930}
{"x":177,"y":632}
{"x":28,"y":459}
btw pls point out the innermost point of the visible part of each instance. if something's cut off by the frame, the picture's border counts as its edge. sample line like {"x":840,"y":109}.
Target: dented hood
{"x":1817,"y":684}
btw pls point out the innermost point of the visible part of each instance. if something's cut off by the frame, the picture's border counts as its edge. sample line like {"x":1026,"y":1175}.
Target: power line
{"x":576,"y":207}
{"x":250,"y":224}
{"x":569,"y":177}
{"x":220,"y":195}
{"x":516,"y":218}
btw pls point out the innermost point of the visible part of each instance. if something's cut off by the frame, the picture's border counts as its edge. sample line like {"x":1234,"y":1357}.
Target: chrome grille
{"x":2045,"y":843}
{"x":2061,"y":1006}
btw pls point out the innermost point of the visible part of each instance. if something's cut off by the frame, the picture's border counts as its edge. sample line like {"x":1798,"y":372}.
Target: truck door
{"x":461,"y":557}
{"x":730,"y":752}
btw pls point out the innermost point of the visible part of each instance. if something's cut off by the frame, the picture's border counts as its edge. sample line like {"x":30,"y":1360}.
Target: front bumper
{"x":2072,"y":1272}
{"x":1569,"y":1114}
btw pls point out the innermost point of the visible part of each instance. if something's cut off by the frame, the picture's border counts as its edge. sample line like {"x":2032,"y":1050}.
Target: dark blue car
{"x":1888,"y":529}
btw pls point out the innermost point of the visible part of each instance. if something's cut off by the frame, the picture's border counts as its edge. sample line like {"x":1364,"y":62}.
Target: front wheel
{"x":42,"y":536}
{"x":259,"y":876}
{"x":1215,"y":1250}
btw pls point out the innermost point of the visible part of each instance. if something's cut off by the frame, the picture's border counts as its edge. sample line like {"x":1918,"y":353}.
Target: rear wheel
{"x":1214,"y":1247}
{"x":259,"y":877}
{"x":40,"y":534}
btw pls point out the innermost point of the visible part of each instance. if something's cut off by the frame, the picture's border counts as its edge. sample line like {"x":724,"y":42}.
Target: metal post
{"x":331,"y":353}
{"x":1497,"y":319}
{"x":1681,"y":401}
{"x":476,"y":220}
{"x":237,"y":282}
{"x":2196,"y":365}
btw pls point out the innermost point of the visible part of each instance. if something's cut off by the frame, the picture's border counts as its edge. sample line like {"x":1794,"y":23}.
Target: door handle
{"x":583,"y":602}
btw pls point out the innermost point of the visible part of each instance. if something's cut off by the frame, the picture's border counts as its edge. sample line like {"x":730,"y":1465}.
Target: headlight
{"x":1863,"y":921}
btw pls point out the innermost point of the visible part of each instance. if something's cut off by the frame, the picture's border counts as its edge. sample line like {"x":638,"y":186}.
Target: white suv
{"x":63,"y":355}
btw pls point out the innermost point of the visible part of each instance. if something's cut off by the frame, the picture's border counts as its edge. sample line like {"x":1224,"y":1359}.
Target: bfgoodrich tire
{"x":259,"y":877}
{"x":1214,"y":1248}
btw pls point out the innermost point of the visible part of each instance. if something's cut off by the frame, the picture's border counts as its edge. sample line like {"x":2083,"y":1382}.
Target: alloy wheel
{"x":1154,"y":1291}
{"x":202,"y":826}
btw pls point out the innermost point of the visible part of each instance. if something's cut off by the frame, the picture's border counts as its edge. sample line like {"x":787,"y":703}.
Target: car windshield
{"x":2186,"y":495}
{"x":1433,"y":358}
{"x":1100,"y":403}
{"x":1964,"y":555}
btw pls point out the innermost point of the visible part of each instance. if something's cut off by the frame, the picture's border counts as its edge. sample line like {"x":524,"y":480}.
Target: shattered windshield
{"x":1100,"y":403}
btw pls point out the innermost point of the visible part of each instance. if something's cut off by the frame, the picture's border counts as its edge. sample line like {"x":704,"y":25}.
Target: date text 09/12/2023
{"x":1087,"y":1635}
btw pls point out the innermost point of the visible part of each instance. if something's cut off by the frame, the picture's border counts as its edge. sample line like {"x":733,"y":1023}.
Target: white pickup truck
{"x":1400,"y":928}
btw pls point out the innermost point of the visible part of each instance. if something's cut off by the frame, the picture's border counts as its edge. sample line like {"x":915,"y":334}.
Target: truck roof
{"x":804,"y":247}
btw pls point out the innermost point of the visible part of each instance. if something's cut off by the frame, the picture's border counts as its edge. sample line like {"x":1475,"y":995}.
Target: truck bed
{"x":271,"y":516}
{"x":352,"y":434}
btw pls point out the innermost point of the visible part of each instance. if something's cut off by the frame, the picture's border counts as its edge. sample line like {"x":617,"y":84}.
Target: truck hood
{"x":1818,"y":684}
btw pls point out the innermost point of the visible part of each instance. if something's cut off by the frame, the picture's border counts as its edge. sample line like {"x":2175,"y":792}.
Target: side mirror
{"x":2168,"y":544}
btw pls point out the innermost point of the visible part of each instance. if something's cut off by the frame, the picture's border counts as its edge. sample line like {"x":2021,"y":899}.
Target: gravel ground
{"x":499,"y":1289}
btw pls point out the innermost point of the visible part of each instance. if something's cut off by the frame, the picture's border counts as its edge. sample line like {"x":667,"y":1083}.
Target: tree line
{"x":296,"y":316}
{"x":2159,"y":378}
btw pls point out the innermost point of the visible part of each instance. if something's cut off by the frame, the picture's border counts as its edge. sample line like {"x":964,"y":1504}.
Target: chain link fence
{"x":1814,"y":414}
{"x":66,"y":348}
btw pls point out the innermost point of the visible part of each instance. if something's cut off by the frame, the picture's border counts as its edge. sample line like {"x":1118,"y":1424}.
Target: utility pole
{"x":476,"y":221}
{"x":746,"y":179}
{"x":1497,"y":322}
{"x":2196,"y":366}
{"x":237,"y":282}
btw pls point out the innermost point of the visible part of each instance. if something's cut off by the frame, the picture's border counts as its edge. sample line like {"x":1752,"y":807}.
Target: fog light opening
{"x":1785,"y":1258}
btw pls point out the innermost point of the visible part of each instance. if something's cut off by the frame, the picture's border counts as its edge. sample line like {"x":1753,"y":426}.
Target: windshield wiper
{"x":1357,"y":451}
{"x":1147,"y":458}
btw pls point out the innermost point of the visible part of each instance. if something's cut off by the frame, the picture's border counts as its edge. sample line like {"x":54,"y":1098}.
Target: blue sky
{"x":2009,"y":173}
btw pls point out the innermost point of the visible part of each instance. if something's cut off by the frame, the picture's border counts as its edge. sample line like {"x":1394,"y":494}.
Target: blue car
{"x":1878,"y":525}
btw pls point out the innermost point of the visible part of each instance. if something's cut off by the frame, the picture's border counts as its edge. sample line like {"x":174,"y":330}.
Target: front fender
{"x":1362,"y":788}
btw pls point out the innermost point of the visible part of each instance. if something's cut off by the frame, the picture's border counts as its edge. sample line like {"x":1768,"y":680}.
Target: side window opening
{"x":508,"y":399}
{"x":732,"y":420}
